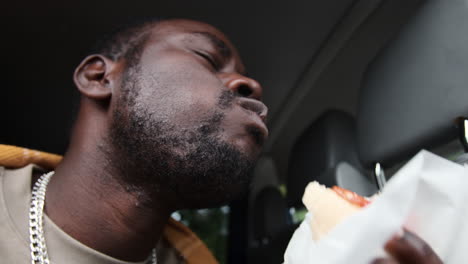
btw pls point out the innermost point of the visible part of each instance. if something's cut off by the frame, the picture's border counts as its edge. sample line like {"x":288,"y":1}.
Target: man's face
{"x":188,"y":121}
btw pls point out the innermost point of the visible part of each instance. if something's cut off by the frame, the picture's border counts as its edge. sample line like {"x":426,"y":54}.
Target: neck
{"x":85,"y":201}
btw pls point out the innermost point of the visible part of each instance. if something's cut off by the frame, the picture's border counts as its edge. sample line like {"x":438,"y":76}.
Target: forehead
{"x":186,"y":30}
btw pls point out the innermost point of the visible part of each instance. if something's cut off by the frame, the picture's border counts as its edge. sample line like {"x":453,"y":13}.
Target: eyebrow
{"x":219,"y":44}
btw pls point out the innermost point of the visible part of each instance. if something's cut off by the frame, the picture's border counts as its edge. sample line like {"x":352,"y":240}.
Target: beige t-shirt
{"x":15,"y":195}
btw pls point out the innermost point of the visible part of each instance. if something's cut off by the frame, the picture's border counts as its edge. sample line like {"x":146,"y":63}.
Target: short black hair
{"x":127,"y":40}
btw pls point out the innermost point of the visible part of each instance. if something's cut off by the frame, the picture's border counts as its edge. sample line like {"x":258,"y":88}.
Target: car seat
{"x":415,"y":94}
{"x":327,"y":152}
{"x":272,"y":226}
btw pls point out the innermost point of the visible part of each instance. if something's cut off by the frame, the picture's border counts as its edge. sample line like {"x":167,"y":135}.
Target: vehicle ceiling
{"x":308,"y":55}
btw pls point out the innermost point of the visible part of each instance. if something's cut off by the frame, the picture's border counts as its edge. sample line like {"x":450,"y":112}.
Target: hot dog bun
{"x":327,"y":207}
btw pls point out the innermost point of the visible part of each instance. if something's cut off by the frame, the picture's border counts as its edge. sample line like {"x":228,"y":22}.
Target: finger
{"x":409,"y":248}
{"x":384,"y":261}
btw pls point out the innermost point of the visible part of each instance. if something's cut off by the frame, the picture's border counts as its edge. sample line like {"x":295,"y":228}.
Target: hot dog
{"x":330,"y":206}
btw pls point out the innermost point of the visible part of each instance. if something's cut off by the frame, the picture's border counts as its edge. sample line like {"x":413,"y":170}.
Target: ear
{"x":94,"y":78}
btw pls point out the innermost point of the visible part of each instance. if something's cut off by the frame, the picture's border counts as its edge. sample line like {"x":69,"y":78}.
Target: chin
{"x":248,"y":147}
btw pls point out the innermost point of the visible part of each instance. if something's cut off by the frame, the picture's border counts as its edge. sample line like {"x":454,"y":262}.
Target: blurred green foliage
{"x":211,"y":225}
{"x":298,"y":215}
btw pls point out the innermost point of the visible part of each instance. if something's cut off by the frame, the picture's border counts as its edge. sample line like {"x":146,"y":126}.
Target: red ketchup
{"x":351,"y":197}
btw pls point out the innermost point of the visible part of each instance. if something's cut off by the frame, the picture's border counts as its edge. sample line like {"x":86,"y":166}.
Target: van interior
{"x":354,"y":89}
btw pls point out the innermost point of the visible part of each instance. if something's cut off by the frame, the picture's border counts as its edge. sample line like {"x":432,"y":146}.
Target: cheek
{"x":183,"y":93}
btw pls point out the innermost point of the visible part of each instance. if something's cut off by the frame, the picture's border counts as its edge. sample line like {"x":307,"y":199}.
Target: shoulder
{"x":17,"y":181}
{"x":25,"y":171}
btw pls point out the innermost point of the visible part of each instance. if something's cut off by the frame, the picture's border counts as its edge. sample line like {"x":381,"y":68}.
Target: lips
{"x":256,"y":117}
{"x":257,"y":129}
{"x":255,"y":106}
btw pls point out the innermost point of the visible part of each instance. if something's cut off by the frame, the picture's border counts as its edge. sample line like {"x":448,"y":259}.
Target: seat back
{"x":272,"y":227}
{"x":326,"y":152}
{"x":418,"y":86}
{"x":270,"y":214}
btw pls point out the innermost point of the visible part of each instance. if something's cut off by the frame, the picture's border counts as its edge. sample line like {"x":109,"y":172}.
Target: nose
{"x":250,"y":92}
{"x":243,"y":86}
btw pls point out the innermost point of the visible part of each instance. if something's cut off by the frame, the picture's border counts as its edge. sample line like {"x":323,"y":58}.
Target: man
{"x":168,"y":120}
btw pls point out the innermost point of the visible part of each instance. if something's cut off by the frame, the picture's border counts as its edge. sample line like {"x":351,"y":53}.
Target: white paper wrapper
{"x":429,"y":196}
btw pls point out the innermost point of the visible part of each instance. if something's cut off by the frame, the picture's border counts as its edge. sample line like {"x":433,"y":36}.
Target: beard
{"x":182,"y":167}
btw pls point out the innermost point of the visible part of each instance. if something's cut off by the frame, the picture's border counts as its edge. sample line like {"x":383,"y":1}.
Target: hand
{"x":408,"y":249}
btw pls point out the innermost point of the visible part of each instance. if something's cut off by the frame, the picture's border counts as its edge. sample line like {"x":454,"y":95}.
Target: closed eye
{"x":208,"y":58}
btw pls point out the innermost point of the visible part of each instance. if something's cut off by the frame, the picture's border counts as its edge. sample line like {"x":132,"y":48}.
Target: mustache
{"x":226,"y":99}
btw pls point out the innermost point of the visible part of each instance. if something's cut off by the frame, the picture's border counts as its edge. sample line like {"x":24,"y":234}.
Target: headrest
{"x":271,"y":214}
{"x":319,"y":151}
{"x":417,"y":87}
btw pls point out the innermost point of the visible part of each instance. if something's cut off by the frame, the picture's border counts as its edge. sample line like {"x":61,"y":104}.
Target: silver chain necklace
{"x":37,"y":243}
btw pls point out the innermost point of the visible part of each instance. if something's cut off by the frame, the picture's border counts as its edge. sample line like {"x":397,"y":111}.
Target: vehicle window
{"x":211,"y":226}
